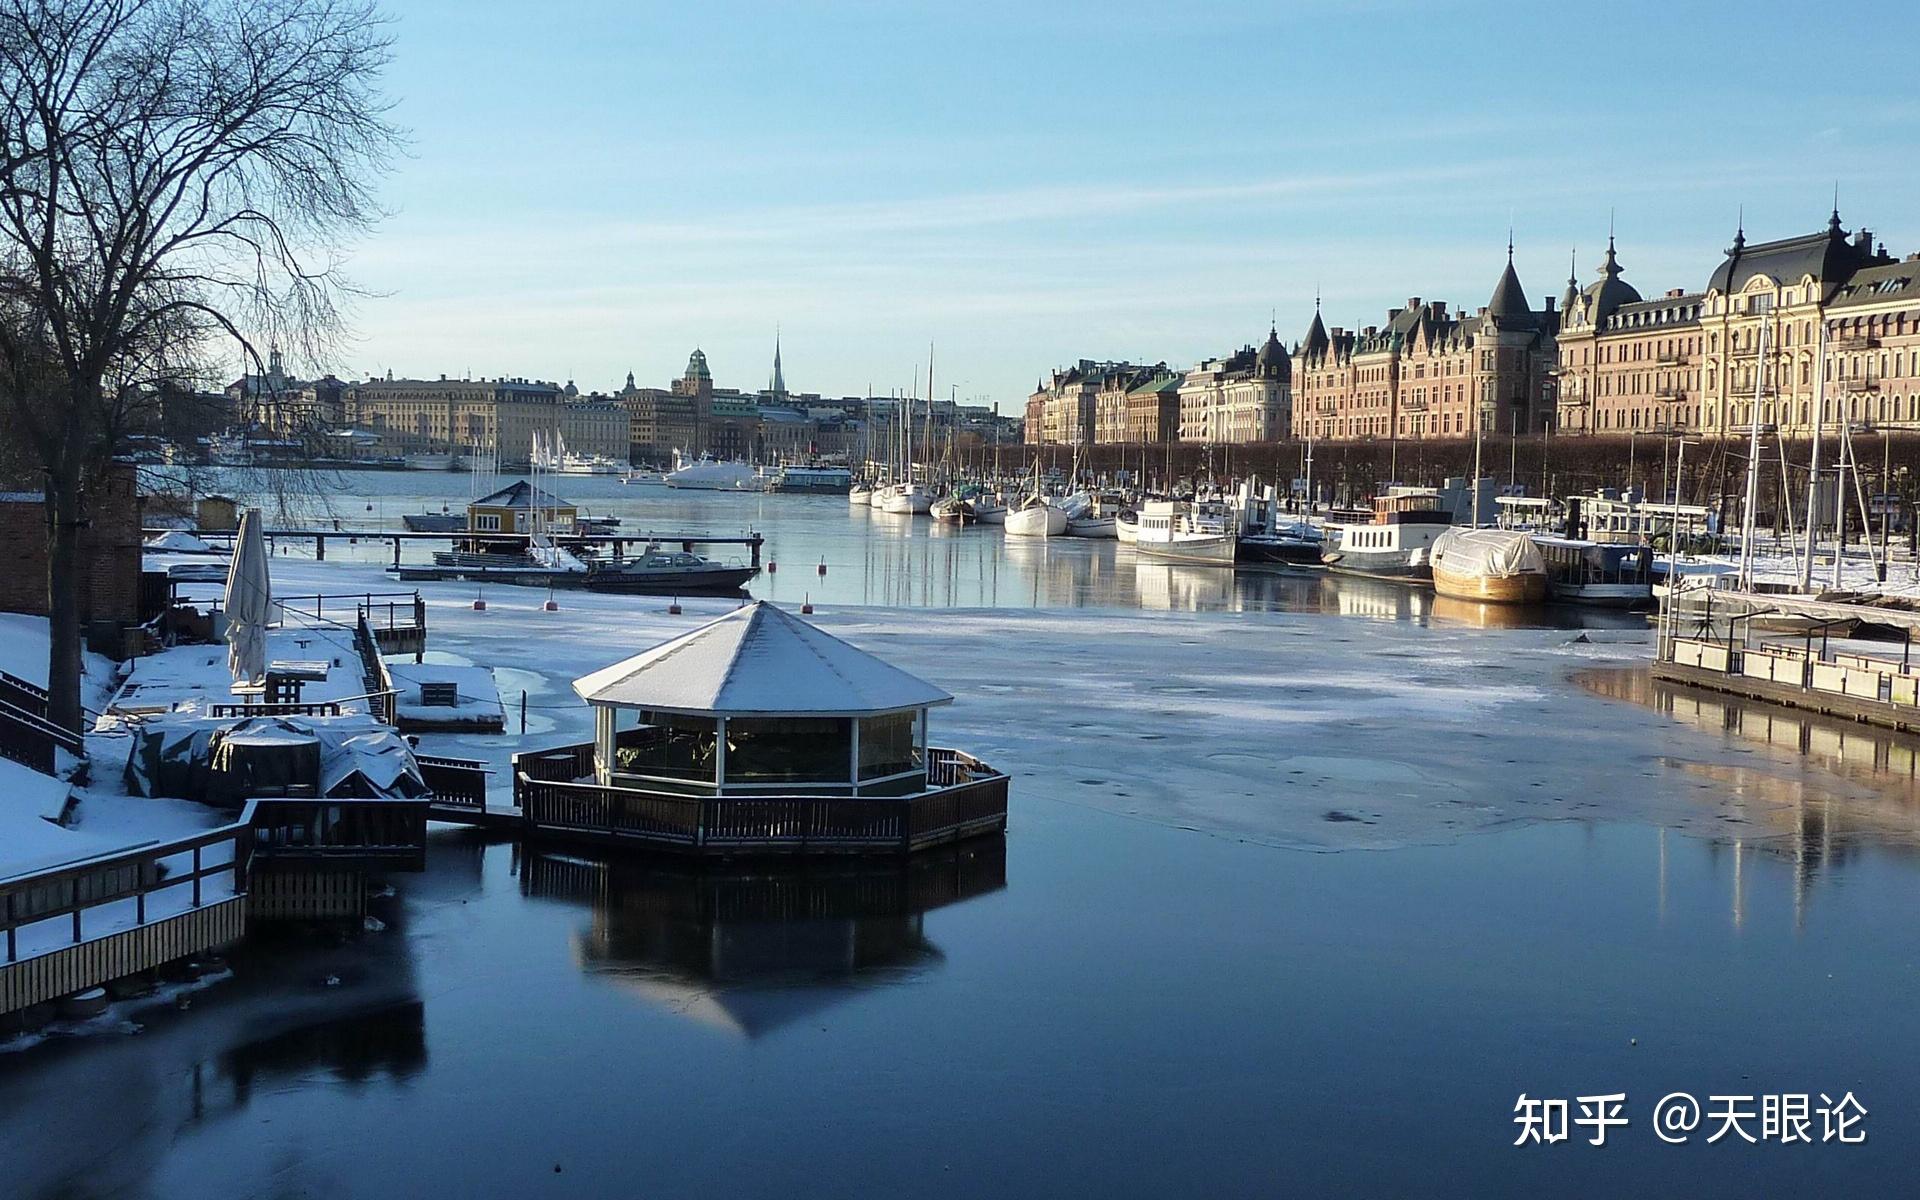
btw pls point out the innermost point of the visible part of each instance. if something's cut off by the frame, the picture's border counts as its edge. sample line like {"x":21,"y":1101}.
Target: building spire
{"x":779,"y":387}
{"x":1833,"y":222}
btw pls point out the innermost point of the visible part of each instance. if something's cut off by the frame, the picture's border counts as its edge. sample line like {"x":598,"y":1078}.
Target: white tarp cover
{"x":758,"y":660}
{"x":249,"y":603}
{"x":1489,"y":553}
{"x":356,"y":755}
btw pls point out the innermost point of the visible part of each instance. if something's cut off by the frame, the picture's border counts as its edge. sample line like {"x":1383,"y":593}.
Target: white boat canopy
{"x":760,"y":661}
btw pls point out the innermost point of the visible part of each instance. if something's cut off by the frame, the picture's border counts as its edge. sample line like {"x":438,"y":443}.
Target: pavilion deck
{"x":557,"y":797}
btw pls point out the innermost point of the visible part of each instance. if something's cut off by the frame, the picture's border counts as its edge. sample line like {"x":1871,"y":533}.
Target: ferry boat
{"x":590,"y":464}
{"x":1614,"y":575}
{"x":1199,"y":533}
{"x":709,"y":476}
{"x":1492,"y":566}
{"x":832,"y":481}
{"x":1397,"y":543}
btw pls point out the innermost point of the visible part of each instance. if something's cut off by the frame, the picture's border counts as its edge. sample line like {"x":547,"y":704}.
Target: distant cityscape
{"x":390,"y":420}
{"x":1598,"y":359}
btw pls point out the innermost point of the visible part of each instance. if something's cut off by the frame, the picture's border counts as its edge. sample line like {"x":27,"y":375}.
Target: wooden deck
{"x":965,"y":798}
{"x":1902,"y":718}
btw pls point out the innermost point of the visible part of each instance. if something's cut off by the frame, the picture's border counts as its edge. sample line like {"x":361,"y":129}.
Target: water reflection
{"x":1822,"y":793}
{"x":750,"y":950}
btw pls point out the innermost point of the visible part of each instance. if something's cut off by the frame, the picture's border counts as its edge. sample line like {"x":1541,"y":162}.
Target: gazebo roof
{"x":758,"y":661}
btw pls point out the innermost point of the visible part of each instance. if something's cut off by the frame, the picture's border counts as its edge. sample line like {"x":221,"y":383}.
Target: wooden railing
{"x":381,"y":694}
{"x":102,"y":895}
{"x":375,"y":832}
{"x":31,"y":740}
{"x":965,"y":797}
{"x":456,"y":782}
{"x":23,"y":694}
{"x":277,"y":708}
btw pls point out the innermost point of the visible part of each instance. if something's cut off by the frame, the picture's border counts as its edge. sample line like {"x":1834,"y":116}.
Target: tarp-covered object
{"x":227,"y":762}
{"x":1489,"y":553}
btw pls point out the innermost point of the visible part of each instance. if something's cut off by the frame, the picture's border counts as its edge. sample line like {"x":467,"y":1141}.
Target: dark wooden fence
{"x":31,"y":740}
{"x":458,"y":784}
{"x":966,"y":798}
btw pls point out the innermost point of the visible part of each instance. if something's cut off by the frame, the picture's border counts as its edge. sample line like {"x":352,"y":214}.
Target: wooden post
{"x":319,"y":548}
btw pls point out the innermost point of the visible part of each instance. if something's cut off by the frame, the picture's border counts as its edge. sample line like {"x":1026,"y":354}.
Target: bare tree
{"x":172,"y":172}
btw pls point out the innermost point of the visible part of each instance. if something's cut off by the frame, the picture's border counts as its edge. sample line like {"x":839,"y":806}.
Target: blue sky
{"x":595,"y":188}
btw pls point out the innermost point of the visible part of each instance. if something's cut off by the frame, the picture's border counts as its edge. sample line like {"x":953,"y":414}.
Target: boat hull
{"x":1128,"y":532}
{"x":1041,"y":520}
{"x":1092,"y":527}
{"x":1396,"y":564}
{"x":1289,"y":551}
{"x":991,"y":515}
{"x":691,"y":581}
{"x":1602,"y":595}
{"x":860,"y":497}
{"x":1529,"y":587}
{"x":1196,"y":551}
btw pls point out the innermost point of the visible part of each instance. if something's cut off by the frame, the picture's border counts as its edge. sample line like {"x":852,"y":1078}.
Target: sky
{"x":600,"y":187}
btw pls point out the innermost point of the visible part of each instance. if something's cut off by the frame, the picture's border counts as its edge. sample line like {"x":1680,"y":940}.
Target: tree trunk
{"x":64,"y":520}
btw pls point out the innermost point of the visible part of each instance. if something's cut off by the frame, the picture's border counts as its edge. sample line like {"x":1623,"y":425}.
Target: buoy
{"x":551,"y":606}
{"x":479,"y":606}
{"x":673,"y":609}
{"x":823,"y":568}
{"x":806,"y":607}
{"x":772,"y":566}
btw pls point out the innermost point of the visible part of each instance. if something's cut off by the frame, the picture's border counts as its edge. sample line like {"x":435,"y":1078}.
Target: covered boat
{"x":1496,"y":566}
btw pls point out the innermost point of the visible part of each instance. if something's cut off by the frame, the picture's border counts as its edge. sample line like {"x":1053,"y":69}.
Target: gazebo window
{"x":889,"y":745}
{"x":668,"y":745}
{"x":787,"y":749}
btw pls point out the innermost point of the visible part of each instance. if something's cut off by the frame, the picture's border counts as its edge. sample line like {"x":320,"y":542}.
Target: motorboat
{"x":645,"y":478}
{"x":589,"y":464}
{"x":832,"y":481}
{"x":1298,"y":544}
{"x":661,"y":572}
{"x":1198,"y":533}
{"x":1611,"y":575}
{"x":1397,"y":543}
{"x":1493,"y":566}
{"x":705,"y":474}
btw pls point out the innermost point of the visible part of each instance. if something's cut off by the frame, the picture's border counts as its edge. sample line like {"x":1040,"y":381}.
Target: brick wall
{"x":109,"y":557}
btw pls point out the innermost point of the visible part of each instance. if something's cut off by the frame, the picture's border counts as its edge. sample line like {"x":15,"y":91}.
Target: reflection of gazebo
{"x":758,"y":731}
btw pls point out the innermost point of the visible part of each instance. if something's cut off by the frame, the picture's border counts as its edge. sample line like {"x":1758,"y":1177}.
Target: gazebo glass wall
{"x":878,"y":755}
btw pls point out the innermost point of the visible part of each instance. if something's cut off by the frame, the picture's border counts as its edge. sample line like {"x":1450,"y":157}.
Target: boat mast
{"x":1813,"y":466}
{"x":1753,"y":462}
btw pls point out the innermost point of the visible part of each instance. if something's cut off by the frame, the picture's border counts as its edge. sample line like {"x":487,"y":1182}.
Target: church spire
{"x":779,"y":386}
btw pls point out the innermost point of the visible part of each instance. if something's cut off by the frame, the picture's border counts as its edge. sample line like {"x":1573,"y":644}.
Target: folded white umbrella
{"x":249,"y":601}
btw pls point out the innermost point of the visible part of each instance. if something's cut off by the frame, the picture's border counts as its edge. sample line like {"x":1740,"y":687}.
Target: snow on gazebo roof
{"x":758,"y":661}
{"x":521,"y":494}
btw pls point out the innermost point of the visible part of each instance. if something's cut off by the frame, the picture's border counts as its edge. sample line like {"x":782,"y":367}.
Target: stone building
{"x":1626,"y":363}
{"x":1430,"y":373}
{"x":1063,"y":409}
{"x":1247,"y":397}
{"x":1153,"y":408}
{"x":418,"y":416}
{"x":676,"y":419}
{"x":1693,"y":360}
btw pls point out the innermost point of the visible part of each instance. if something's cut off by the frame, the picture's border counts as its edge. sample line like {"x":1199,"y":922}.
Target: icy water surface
{"x":1292,"y":903}
{"x":875,"y":558}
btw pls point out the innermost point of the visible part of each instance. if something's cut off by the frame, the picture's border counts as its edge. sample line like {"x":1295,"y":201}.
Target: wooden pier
{"x":753,"y":540}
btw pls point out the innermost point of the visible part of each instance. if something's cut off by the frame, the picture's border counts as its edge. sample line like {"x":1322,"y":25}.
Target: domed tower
{"x":1272,"y":362}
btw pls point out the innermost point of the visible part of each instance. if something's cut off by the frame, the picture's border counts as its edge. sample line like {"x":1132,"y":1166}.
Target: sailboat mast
{"x":1813,"y":465}
{"x":1753,"y":462}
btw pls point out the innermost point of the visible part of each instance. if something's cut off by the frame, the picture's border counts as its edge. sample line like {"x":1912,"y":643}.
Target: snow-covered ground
{"x":190,"y":678}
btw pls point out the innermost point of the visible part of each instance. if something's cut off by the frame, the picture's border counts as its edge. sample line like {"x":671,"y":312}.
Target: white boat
{"x":1126,"y":527}
{"x":905,"y":499}
{"x":1397,"y":543}
{"x":707,"y":475}
{"x":1613,"y":575}
{"x":1176,"y":531}
{"x":590,"y":464}
{"x":1092,"y":527}
{"x":988,"y":510}
{"x":645,"y":478}
{"x":430,"y":462}
{"x":860,"y":495}
{"x":1036,"y":518}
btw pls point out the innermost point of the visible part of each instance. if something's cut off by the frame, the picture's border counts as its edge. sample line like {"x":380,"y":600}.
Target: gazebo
{"x":760,"y":731}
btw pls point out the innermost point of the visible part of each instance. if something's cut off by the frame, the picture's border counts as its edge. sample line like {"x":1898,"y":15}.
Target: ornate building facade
{"x":1247,"y":397}
{"x":1745,"y":349}
{"x":1430,"y":373}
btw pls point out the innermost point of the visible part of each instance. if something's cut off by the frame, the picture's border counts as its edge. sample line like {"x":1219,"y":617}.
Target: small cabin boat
{"x":1397,"y":543}
{"x":1200,"y":532}
{"x":1492,"y":566}
{"x":1613,"y":575}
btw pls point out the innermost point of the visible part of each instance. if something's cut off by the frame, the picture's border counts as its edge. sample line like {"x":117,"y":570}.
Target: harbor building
{"x":1431,"y":373}
{"x":1694,"y":361}
{"x":488,"y":416}
{"x":1246,"y":397}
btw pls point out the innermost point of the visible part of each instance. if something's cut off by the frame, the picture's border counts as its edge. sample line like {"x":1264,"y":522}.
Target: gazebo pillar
{"x":604,"y":717}
{"x":853,"y":757}
{"x":719,"y":755}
